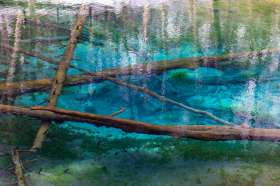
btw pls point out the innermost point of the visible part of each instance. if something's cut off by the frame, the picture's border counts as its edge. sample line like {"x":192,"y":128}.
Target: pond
{"x":166,"y":63}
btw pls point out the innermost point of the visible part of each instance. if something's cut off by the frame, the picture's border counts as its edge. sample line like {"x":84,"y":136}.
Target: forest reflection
{"x":147,"y":32}
{"x":185,"y":69}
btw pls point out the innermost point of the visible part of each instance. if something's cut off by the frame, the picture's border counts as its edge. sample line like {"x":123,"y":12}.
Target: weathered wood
{"x":168,"y":100}
{"x":152,"y":67}
{"x":61,"y":73}
{"x":201,"y":132}
{"x":18,"y":167}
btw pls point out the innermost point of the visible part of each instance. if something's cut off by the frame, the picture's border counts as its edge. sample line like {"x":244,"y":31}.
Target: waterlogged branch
{"x":18,"y":88}
{"x":159,"y":97}
{"x":18,"y":167}
{"x":156,"y":95}
{"x":122,"y":109}
{"x":106,"y":76}
{"x":61,"y":73}
{"x":168,"y":100}
{"x":201,"y":132}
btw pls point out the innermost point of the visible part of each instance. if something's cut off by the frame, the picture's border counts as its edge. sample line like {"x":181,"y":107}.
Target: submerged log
{"x":201,"y":132}
{"x":18,"y":88}
{"x":18,"y":167}
{"x":61,"y":73}
{"x":137,"y":88}
{"x":168,"y":100}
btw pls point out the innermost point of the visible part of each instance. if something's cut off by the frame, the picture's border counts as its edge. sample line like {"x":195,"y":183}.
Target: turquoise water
{"x":240,"y":91}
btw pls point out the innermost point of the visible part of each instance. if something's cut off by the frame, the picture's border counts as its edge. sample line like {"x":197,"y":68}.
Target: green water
{"x":241,"y":91}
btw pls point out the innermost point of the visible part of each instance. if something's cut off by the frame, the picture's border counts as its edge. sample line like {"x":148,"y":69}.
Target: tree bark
{"x":18,"y":168}
{"x":19,"y":88}
{"x":201,"y":132}
{"x":61,"y":74}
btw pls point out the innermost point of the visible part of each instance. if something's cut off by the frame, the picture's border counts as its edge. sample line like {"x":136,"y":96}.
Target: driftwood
{"x":201,"y":132}
{"x":61,"y":73}
{"x":18,"y":88}
{"x":18,"y":167}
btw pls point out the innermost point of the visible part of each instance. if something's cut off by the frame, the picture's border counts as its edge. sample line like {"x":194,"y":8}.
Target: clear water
{"x":239,"y":91}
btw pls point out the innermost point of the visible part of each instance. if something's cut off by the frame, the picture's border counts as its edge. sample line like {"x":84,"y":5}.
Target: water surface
{"x":240,"y":91}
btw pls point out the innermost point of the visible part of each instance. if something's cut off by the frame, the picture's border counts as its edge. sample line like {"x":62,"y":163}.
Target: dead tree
{"x":18,"y":88}
{"x":18,"y":167}
{"x":201,"y":132}
{"x":61,"y":74}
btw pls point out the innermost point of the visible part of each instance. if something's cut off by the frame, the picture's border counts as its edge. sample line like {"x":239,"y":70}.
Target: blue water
{"x":240,"y":91}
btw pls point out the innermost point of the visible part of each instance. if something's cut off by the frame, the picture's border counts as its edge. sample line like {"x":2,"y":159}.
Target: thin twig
{"x":122,"y":109}
{"x":157,"y":96}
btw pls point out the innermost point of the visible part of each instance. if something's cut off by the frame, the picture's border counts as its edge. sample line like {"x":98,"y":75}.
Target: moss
{"x":244,"y":176}
{"x":20,"y":131}
{"x":179,"y":76}
{"x":5,"y":161}
{"x":69,"y":143}
{"x":71,"y":174}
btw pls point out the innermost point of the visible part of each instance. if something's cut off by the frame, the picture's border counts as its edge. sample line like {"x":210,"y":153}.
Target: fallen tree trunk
{"x":61,"y":73}
{"x":200,"y":132}
{"x":18,"y":88}
{"x":168,"y":100}
{"x":18,"y":168}
{"x":140,"y":89}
